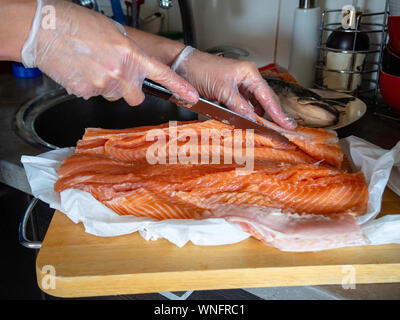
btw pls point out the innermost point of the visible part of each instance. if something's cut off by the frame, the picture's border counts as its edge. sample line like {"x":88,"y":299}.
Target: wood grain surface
{"x":72,"y":263}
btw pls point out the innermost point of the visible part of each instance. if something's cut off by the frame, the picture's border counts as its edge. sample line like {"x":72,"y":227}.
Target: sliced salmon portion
{"x":144,"y":203}
{"x":308,"y":145}
{"x":291,"y":188}
{"x":318,"y":143}
{"x":183,"y":152}
{"x":301,"y":188}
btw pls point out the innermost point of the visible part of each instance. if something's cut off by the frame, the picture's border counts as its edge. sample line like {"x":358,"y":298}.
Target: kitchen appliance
{"x":347,"y":61}
{"x":340,"y":59}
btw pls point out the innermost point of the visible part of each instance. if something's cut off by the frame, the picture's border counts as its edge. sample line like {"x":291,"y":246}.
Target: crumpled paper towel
{"x":381,"y":168}
{"x":80,"y":206}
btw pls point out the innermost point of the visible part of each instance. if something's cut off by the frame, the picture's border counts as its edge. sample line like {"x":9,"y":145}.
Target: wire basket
{"x":361,"y":74}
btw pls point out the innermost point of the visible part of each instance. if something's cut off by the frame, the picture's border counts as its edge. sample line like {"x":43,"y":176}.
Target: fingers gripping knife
{"x":215,"y":111}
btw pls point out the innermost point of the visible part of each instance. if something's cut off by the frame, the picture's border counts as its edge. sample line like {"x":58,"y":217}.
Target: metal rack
{"x":370,"y":70}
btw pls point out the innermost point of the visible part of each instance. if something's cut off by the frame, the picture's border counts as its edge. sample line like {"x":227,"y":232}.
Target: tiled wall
{"x":263,"y":27}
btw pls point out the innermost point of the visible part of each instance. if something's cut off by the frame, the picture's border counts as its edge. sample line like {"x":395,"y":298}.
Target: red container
{"x":389,"y":86}
{"x":390,"y":62}
{"x":394,"y":32}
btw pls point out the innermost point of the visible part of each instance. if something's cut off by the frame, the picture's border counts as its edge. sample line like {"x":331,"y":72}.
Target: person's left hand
{"x":232,"y":83}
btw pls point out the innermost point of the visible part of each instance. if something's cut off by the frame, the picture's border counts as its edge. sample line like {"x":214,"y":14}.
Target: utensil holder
{"x":365,"y":72}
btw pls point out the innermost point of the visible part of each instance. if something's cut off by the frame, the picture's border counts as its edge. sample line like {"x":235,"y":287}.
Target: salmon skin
{"x":287,"y":181}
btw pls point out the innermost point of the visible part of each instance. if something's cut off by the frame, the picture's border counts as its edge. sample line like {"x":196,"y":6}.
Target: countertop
{"x":14,"y":92}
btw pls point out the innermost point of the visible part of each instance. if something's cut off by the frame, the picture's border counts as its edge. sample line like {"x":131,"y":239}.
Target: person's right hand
{"x":233,"y":83}
{"x":89,"y":55}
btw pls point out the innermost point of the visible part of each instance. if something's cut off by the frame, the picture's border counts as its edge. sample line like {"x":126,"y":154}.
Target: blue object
{"x":21,"y":72}
{"x":118,"y":14}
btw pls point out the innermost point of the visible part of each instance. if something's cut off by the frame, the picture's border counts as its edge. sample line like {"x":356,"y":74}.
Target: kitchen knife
{"x":215,"y":111}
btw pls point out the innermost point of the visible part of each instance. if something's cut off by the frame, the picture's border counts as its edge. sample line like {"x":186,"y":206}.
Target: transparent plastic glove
{"x":232,"y":83}
{"x":90,"y":55}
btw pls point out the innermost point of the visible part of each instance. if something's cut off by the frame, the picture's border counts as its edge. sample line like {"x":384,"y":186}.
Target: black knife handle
{"x":156,"y":90}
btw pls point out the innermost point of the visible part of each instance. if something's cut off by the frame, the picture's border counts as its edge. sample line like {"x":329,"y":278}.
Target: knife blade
{"x":215,"y":111}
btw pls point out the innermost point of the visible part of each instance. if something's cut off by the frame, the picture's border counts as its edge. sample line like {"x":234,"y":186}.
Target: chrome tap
{"x":166,"y":4}
{"x":90,"y":4}
{"x":185,"y":8}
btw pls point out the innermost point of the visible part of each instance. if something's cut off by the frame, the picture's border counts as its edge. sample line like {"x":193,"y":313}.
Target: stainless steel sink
{"x":57,"y":120}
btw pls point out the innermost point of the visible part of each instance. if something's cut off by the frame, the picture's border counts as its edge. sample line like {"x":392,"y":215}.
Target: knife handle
{"x":156,"y":90}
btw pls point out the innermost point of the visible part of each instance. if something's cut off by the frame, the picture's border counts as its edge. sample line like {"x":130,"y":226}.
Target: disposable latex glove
{"x":232,"y":83}
{"x":90,"y":55}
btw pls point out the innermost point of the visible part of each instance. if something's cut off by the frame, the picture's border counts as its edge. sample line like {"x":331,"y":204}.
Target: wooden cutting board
{"x":72,"y":263}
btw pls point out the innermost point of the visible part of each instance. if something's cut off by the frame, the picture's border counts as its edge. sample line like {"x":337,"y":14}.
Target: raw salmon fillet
{"x":296,"y":196}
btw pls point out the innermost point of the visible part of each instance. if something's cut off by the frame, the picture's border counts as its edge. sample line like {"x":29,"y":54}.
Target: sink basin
{"x":56,"y":119}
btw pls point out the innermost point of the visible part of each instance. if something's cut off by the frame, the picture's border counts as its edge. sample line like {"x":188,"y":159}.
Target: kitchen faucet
{"x":166,"y":4}
{"x":185,"y":8}
{"x":90,"y":4}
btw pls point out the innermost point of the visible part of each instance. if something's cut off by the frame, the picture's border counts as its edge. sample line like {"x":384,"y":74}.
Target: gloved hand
{"x":90,"y":55}
{"x":232,"y":83}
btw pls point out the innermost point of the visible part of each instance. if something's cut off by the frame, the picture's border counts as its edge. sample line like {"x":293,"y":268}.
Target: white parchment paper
{"x":380,"y":167}
{"x":81,"y":206}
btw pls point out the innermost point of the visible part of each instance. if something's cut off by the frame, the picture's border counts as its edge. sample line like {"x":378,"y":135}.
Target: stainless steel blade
{"x":215,"y":111}
{"x":225,"y":115}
